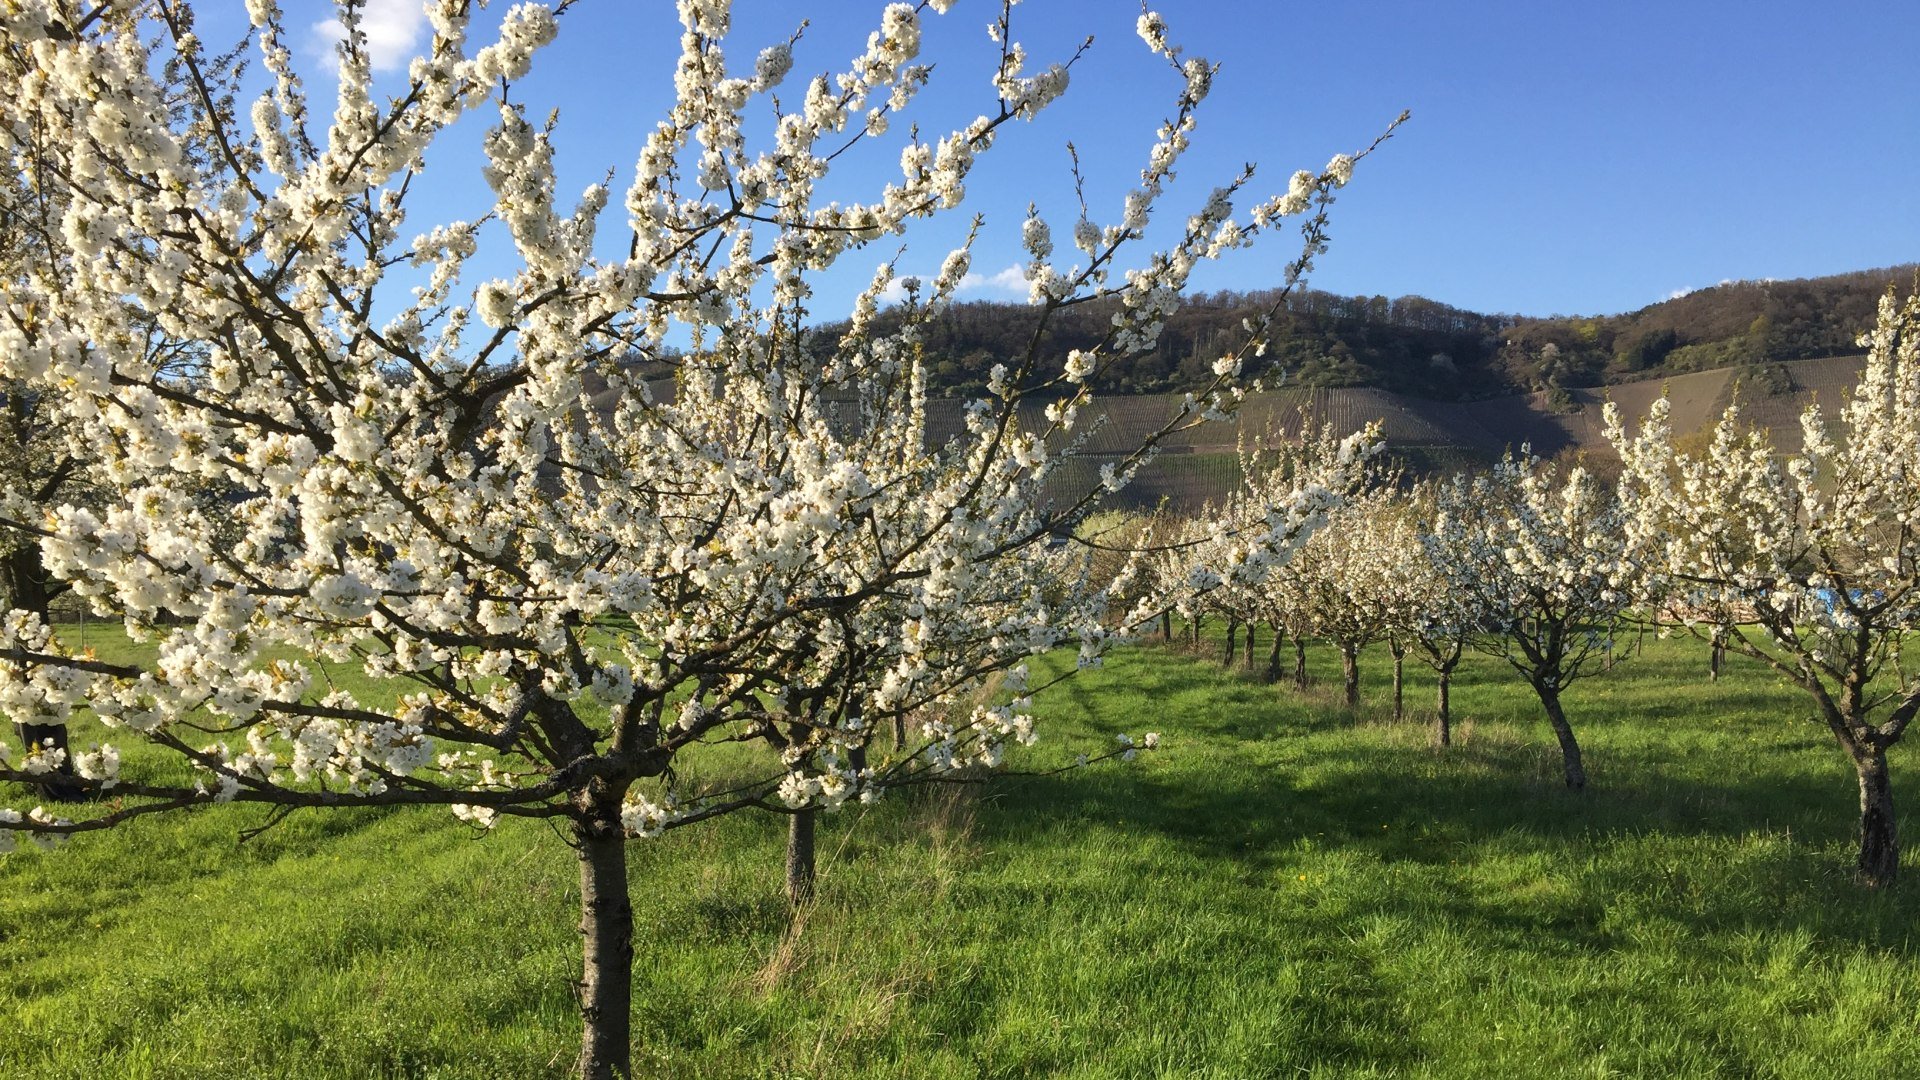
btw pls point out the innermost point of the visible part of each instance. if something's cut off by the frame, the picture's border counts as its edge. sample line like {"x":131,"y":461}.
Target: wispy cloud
{"x":1010,"y":283}
{"x":393,"y":29}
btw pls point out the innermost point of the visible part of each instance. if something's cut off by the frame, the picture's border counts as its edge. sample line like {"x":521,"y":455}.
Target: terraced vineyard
{"x":1200,"y":465}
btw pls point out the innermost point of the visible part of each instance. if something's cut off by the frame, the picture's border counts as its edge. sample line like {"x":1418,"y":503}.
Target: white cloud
{"x":1010,"y":283}
{"x":393,"y":29}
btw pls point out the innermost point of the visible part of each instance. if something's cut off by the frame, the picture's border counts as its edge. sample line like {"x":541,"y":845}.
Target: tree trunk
{"x":857,"y":754}
{"x":61,"y":785}
{"x":1233,"y":635}
{"x":1299,"y":662}
{"x":1273,"y":657}
{"x":1166,"y":626}
{"x":24,"y":587}
{"x":1879,"y":838}
{"x":1569,"y":747}
{"x":1443,"y":722}
{"x":23,"y":580}
{"x":1350,"y":667}
{"x":606,"y":931}
{"x":1399,"y":682}
{"x":899,"y":731}
{"x":1251,"y":628}
{"x":1716,"y":653}
{"x":800,"y":870}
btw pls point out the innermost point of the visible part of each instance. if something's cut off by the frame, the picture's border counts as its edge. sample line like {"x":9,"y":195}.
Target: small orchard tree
{"x":1336,"y":588}
{"x":1432,"y":611}
{"x":1540,"y":549}
{"x":1400,"y":584}
{"x":1808,"y":562}
{"x":571,"y":553}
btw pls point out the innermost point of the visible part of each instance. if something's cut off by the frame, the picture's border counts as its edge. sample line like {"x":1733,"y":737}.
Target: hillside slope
{"x":1419,"y":347}
{"x":1201,"y":465}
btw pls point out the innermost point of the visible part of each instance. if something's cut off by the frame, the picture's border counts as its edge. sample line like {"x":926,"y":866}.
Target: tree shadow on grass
{"x":1764,"y":852}
{"x":1208,"y":700}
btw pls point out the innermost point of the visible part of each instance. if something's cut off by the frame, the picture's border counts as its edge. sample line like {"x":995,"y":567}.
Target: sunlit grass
{"x":1284,"y":889}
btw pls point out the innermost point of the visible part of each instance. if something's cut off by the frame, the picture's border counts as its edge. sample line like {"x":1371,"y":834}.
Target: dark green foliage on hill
{"x":1424,"y":348}
{"x":1738,"y":324}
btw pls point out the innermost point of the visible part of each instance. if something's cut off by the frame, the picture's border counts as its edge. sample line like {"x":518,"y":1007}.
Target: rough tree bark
{"x":1443,"y":719}
{"x":606,"y":932}
{"x":800,"y":863}
{"x":1273,"y":657}
{"x":23,"y":580}
{"x":1879,"y":838}
{"x":1299,"y":663}
{"x":1252,"y":628}
{"x":1576,"y":772}
{"x":1233,"y":635}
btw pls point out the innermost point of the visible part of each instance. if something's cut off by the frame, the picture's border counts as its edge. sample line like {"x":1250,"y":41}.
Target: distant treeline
{"x":1412,"y":345}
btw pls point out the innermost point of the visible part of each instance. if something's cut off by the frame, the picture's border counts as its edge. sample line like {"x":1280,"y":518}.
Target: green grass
{"x":1284,"y":889}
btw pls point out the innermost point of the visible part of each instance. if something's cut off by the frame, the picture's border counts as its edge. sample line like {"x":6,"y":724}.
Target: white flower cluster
{"x":1242,"y":560}
{"x":1543,"y":552}
{"x":38,"y":825}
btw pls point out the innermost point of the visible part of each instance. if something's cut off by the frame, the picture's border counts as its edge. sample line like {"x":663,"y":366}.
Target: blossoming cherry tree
{"x":569,"y":556}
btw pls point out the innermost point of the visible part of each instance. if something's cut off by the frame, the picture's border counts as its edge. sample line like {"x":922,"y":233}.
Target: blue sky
{"x":1562,"y":157}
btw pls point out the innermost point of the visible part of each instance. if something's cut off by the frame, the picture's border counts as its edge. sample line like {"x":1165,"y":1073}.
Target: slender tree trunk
{"x":1251,"y":628}
{"x":1879,"y":837}
{"x":800,"y":868}
{"x":1399,"y":680}
{"x":899,"y":731}
{"x":1233,"y":635}
{"x":1299,"y":662}
{"x":1194,"y":627}
{"x":1166,"y":627}
{"x":1569,"y":746}
{"x":1273,"y":657}
{"x":1716,"y":654}
{"x":1443,"y":721}
{"x":1350,"y":667}
{"x":606,"y":931}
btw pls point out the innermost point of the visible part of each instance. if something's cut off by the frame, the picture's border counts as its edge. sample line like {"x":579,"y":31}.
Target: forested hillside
{"x":1420,"y":347}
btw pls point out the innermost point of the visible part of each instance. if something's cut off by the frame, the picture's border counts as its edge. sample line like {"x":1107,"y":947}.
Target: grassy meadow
{"x":1284,"y":889}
